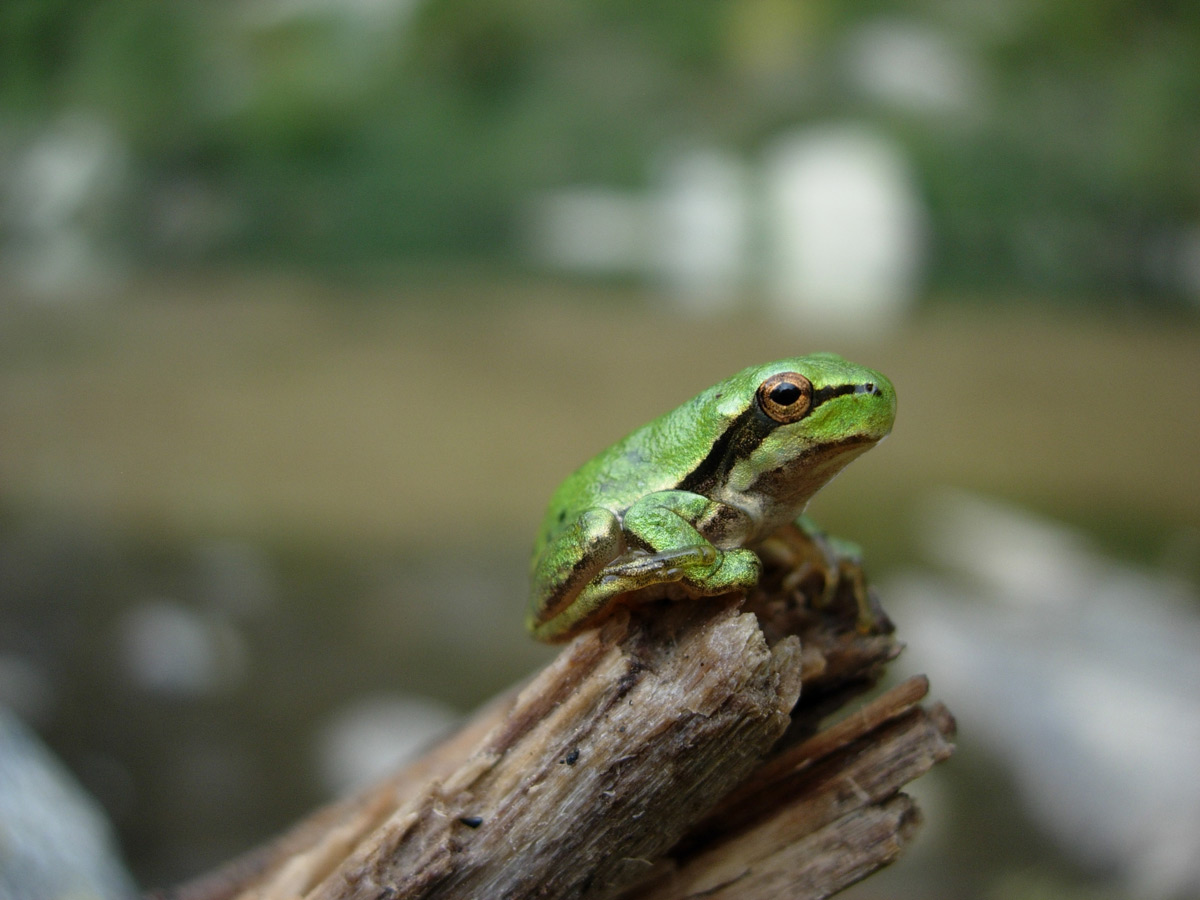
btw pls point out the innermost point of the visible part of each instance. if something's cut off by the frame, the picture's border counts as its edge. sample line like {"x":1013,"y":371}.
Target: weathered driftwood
{"x":662,"y":756}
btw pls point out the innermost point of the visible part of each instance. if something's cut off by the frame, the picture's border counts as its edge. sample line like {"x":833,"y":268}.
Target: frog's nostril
{"x":868,"y":388}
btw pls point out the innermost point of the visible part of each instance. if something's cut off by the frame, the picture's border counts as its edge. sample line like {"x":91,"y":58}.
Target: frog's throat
{"x":792,"y":484}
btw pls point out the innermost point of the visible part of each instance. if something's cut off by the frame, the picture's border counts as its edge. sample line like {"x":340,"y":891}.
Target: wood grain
{"x":682,"y":750}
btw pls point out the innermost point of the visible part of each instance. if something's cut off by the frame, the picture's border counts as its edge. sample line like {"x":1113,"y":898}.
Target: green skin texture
{"x":675,"y":508}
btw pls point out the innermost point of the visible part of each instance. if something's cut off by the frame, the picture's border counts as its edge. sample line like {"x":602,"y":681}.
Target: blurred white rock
{"x":373,"y":736}
{"x":376,"y":13}
{"x":61,"y":200}
{"x":845,"y":228}
{"x":911,"y":66}
{"x":168,"y":648}
{"x":1080,"y":674}
{"x":1183,"y":267}
{"x":702,"y":234}
{"x":590,"y":230}
{"x":55,"y":842}
{"x":830,"y":223}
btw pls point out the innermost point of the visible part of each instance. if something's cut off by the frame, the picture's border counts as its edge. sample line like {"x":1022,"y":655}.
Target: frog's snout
{"x":883,"y":413}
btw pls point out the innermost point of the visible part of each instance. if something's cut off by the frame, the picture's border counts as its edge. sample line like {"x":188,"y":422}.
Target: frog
{"x":677,"y":508}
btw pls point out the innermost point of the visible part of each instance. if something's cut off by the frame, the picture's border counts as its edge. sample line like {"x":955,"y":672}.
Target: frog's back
{"x":655,"y":457}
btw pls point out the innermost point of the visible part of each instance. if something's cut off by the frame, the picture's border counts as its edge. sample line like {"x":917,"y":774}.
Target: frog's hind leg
{"x":728,"y":570}
{"x":631,"y":572}
{"x":566,"y":567}
{"x":659,"y":545}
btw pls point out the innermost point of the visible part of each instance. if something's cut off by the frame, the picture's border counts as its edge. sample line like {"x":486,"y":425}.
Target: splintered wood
{"x":663,"y":756}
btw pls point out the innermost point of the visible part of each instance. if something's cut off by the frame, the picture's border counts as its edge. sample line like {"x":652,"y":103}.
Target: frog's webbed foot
{"x":701,"y":569}
{"x":565,"y":568}
{"x":826,"y":569}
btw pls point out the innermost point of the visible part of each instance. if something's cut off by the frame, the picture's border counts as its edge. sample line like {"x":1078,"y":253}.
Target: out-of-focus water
{"x":207,"y":692}
{"x":247,"y":548}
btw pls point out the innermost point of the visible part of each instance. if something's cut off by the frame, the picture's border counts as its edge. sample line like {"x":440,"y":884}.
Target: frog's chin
{"x":788,"y":488}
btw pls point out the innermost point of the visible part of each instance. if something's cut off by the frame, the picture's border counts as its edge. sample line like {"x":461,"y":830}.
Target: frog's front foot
{"x":735,"y":570}
{"x":702,"y":569}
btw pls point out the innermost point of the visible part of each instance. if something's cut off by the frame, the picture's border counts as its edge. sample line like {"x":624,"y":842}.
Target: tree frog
{"x":677,"y":507}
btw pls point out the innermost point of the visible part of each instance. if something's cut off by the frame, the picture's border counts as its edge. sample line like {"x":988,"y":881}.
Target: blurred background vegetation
{"x":307,"y":306}
{"x":1054,"y":143}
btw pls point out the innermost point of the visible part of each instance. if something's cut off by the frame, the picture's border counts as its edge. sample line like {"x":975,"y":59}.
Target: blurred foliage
{"x":348,"y":133}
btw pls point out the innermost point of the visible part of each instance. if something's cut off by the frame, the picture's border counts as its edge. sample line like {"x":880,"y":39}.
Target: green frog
{"x":677,"y":508}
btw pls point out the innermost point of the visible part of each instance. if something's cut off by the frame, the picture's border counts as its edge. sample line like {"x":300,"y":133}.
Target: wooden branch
{"x":662,"y":756}
{"x":819,"y":817}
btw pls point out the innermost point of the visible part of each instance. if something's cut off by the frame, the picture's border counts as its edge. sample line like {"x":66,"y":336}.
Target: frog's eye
{"x":785,"y":397}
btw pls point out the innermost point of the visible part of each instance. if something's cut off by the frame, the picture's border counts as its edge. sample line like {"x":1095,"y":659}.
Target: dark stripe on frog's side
{"x":746,"y":432}
{"x":841,"y":390}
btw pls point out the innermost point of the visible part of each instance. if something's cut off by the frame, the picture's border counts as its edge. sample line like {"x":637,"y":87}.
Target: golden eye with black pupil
{"x":785,"y":397}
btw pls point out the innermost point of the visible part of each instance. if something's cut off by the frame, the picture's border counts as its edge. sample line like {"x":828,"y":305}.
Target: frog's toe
{"x":734,"y":570}
{"x":871,"y":617}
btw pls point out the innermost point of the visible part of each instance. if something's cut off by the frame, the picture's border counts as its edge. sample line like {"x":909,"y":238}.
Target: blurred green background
{"x":308,"y":306}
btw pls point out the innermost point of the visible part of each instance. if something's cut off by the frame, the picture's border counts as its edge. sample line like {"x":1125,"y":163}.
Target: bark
{"x":677,"y":751}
